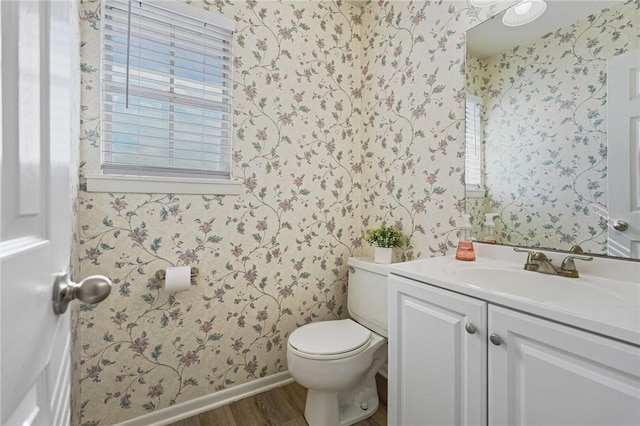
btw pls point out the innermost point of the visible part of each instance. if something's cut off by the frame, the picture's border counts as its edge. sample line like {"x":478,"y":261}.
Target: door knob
{"x":620,"y":225}
{"x":471,"y":329}
{"x":93,"y":289}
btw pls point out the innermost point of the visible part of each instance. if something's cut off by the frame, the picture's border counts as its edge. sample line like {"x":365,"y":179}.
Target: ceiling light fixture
{"x":524,"y":12}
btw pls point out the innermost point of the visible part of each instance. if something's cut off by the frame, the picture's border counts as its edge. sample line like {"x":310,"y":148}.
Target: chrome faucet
{"x":539,"y":262}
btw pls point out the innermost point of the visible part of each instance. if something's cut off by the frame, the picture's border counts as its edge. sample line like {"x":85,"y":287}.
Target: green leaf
{"x":156,"y":352}
{"x":155,"y":246}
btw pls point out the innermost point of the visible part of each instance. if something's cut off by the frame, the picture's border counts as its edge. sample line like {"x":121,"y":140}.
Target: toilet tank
{"x":367,"y":294}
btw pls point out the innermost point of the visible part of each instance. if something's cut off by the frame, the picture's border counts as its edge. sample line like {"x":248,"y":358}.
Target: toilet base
{"x":356,"y":403}
{"x":345,"y":408}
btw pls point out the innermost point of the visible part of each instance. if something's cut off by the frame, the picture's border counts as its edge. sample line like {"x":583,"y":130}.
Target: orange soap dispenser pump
{"x":465,"y":245}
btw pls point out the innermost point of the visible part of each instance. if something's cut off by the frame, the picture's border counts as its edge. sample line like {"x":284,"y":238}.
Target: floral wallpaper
{"x":413,"y":113}
{"x":270,"y":259}
{"x":74,"y":267}
{"x":545,"y":125}
{"x":344,"y":117}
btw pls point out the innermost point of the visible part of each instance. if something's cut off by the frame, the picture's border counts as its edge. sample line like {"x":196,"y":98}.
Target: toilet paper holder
{"x":161,"y":274}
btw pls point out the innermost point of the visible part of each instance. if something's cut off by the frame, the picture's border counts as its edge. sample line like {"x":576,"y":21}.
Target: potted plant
{"x":384,"y":239}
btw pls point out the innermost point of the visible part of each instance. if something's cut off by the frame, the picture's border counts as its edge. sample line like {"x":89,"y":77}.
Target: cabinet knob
{"x":471,"y":329}
{"x":495,"y":339}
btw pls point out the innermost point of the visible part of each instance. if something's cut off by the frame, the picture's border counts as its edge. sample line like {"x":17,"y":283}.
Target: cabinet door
{"x":544,"y":373}
{"x":437,"y":369}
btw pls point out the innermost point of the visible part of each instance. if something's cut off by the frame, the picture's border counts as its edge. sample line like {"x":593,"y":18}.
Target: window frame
{"x":474,"y":190}
{"x":171,"y":180}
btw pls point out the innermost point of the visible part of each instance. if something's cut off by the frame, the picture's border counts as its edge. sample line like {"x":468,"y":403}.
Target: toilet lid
{"x":329,"y":337}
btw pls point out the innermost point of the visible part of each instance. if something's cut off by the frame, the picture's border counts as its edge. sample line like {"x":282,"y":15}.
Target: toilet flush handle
{"x":352,"y":270}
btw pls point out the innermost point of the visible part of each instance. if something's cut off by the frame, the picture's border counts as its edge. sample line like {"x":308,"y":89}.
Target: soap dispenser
{"x":465,"y":249}
{"x":489,"y":228}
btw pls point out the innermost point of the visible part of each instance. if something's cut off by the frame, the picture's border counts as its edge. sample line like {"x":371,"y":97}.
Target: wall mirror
{"x":545,"y":128}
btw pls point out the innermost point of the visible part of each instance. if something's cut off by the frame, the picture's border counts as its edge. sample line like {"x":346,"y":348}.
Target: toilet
{"x":337,"y":361}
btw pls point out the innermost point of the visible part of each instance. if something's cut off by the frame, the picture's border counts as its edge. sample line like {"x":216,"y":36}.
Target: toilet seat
{"x":330,"y":339}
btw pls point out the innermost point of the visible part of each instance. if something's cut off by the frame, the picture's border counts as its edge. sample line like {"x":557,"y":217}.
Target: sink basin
{"x":547,"y":288}
{"x":605,"y":299}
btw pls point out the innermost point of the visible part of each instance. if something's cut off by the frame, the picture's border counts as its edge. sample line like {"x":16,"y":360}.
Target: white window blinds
{"x":473,"y":143}
{"x":166,"y":90}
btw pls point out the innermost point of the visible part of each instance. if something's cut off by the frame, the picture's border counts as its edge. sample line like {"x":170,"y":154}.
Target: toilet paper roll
{"x":178,"y":279}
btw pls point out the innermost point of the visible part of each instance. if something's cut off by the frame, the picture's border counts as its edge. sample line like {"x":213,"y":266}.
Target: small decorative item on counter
{"x":489,"y":228}
{"x":465,"y":249}
{"x":385,"y":239}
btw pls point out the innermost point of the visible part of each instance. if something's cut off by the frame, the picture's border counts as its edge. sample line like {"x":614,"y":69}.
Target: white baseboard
{"x":205,"y":403}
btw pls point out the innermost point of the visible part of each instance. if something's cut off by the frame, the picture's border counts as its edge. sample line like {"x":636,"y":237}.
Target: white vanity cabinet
{"x":545,"y":373}
{"x":459,"y":360}
{"x":437,"y":356}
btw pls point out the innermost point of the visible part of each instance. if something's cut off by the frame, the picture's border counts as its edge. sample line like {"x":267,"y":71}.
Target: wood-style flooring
{"x":282,"y":406}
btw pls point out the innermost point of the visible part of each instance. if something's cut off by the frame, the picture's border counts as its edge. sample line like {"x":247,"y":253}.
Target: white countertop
{"x":605,"y":299}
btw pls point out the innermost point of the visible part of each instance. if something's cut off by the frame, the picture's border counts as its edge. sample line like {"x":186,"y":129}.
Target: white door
{"x":437,"y":356}
{"x":544,"y":373}
{"x":623,"y":153}
{"x":38,"y":43}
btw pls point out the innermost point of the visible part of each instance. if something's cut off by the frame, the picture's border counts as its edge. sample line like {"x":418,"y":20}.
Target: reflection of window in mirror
{"x":473,"y":148}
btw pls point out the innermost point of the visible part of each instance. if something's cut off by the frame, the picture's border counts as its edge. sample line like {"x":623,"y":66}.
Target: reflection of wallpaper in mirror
{"x":545,"y":132}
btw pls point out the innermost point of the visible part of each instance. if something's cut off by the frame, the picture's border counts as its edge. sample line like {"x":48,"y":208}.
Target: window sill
{"x":161,"y":185}
{"x":476,"y":193}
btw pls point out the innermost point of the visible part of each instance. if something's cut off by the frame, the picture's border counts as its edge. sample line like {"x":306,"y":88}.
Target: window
{"x":166,"y":92}
{"x":473,"y":147}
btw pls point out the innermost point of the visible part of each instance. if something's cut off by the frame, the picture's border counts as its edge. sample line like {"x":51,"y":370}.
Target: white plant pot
{"x":382,"y":254}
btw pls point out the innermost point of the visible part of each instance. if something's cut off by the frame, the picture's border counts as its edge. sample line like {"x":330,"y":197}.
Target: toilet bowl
{"x":337,"y":360}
